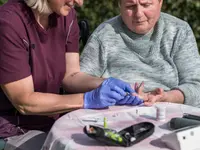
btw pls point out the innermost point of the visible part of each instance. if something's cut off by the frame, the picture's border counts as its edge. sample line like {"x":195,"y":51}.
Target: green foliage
{"x":97,"y":11}
{"x":188,"y":10}
{"x":2,"y":1}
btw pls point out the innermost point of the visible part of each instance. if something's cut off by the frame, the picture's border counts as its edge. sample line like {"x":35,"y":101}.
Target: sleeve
{"x":14,"y":58}
{"x":93,"y":60}
{"x":72,"y":41}
{"x":187,"y":61}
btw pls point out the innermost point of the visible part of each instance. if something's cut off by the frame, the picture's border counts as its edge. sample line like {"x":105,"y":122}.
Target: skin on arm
{"x":76,"y":81}
{"x":26,"y":101}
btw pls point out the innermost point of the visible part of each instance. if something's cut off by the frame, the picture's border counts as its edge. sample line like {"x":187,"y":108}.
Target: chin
{"x":64,"y":13}
{"x":140,"y":30}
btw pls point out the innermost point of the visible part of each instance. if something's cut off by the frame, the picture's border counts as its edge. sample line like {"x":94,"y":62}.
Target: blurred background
{"x":97,"y":11}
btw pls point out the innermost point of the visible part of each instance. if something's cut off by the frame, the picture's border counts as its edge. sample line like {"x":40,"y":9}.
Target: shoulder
{"x":107,"y":28}
{"x":14,"y":15}
{"x":172,"y":23}
{"x":13,"y":10}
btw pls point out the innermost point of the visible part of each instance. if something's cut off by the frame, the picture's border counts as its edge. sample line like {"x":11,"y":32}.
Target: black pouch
{"x":126,"y":137}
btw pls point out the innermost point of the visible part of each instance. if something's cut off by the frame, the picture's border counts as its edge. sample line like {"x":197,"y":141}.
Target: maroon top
{"x":27,"y":49}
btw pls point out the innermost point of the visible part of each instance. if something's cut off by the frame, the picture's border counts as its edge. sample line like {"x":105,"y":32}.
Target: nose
{"x":78,"y":2}
{"x":138,"y":11}
{"x":75,"y":2}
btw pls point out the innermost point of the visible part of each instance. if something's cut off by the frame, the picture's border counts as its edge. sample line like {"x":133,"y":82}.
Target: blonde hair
{"x":41,"y":6}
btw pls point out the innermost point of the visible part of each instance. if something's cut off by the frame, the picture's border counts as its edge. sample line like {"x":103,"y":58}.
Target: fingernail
{"x":142,"y":104}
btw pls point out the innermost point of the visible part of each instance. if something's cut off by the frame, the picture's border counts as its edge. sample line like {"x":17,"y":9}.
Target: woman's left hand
{"x":151,"y":97}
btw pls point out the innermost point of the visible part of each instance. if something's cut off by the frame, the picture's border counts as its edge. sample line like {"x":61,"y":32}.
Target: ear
{"x":161,"y":2}
{"x":119,"y":3}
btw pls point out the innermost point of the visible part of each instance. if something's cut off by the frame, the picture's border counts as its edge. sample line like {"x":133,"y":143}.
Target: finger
{"x":134,"y":100}
{"x":135,"y":94}
{"x":152,"y":99}
{"x":143,"y":97}
{"x":115,"y":95}
{"x":137,"y":101}
{"x":112,"y":103}
{"x":136,"y":87}
{"x":141,"y":88}
{"x":129,"y":89}
{"x":108,"y":103}
{"x":146,"y":96}
{"x":159,"y":91}
{"x":133,"y":86}
{"x":118,"y":90}
{"x":148,"y":104}
{"x":140,"y":102}
{"x":110,"y":100}
{"x":129,"y":99}
{"x":123,"y":101}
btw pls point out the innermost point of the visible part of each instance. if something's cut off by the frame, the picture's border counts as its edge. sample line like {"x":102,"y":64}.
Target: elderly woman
{"x":38,"y":54}
{"x":143,"y":45}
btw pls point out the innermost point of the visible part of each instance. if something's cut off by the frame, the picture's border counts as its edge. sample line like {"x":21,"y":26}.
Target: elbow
{"x":24,"y":105}
{"x":24,"y":110}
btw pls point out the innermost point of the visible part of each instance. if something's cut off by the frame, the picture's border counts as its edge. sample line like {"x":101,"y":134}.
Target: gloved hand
{"x":118,"y":85}
{"x":130,"y":100}
{"x":101,"y":97}
{"x":123,"y":88}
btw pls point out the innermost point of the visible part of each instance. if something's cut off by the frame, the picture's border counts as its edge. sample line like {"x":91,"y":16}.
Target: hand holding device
{"x":101,"y":97}
{"x":125,"y":89}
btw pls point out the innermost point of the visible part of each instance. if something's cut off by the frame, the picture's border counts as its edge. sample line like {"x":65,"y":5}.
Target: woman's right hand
{"x":112,"y":91}
{"x":101,"y":97}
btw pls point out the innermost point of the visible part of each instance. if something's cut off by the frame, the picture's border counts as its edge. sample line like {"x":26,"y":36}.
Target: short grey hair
{"x":41,"y":6}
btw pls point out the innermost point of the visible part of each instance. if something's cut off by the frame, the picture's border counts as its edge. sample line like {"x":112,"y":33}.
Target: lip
{"x":139,"y":22}
{"x":69,"y":5}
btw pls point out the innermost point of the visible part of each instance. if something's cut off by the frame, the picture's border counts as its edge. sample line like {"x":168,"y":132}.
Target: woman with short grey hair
{"x":144,"y":45}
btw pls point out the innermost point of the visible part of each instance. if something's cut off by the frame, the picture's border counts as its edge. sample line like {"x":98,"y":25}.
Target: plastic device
{"x":183,"y":139}
{"x":126,"y":137}
{"x":186,"y":134}
{"x":186,"y":121}
{"x":191,"y":116}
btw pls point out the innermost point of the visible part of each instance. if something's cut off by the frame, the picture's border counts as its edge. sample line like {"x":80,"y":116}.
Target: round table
{"x":67,"y":132}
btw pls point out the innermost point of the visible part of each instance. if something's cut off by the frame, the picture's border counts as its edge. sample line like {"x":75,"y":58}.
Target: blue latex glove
{"x":118,"y":85}
{"x":122,"y":88}
{"x":130,"y":100}
{"x":101,"y":97}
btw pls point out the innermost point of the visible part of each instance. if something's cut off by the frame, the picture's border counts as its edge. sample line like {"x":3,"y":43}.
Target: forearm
{"x":48,"y":104}
{"x":173,"y":96}
{"x":81,"y":82}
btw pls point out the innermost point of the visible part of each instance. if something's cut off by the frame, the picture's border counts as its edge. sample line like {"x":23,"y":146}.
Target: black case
{"x":127,"y":137}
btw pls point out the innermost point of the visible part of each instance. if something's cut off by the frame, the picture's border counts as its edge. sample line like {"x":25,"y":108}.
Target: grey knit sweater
{"x":166,"y":57}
